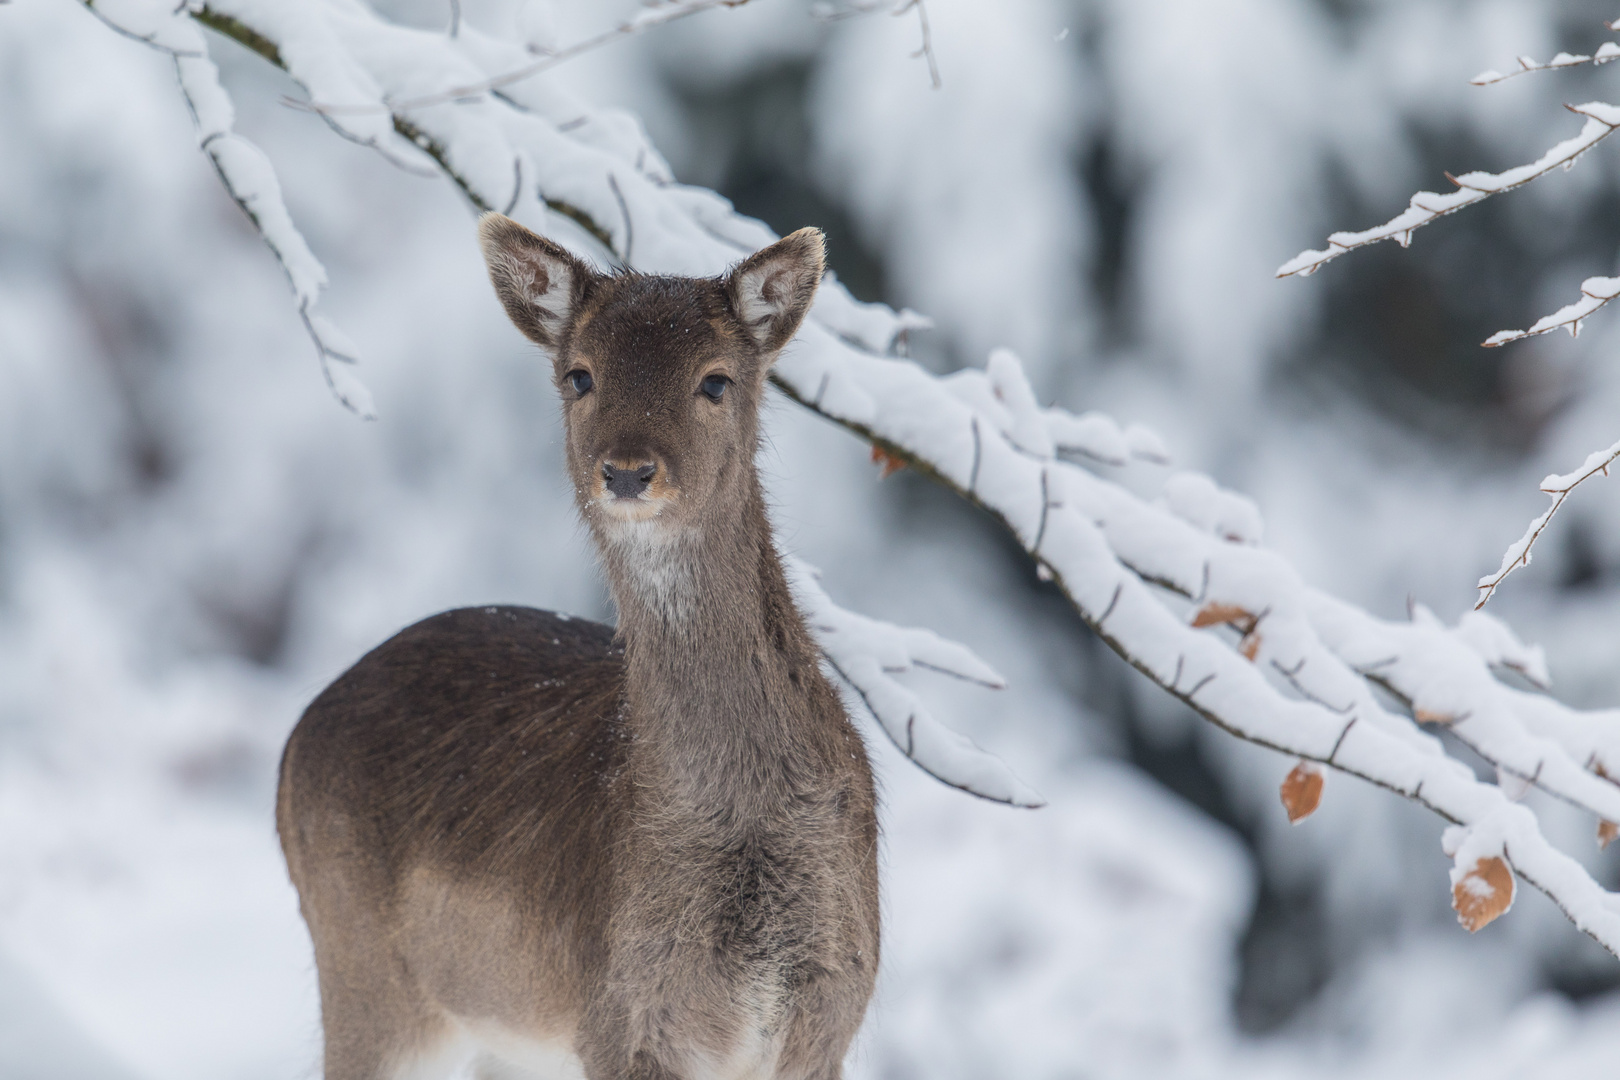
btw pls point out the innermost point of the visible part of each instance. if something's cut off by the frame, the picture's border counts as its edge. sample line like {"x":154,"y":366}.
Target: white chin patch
{"x":614,"y":509}
{"x":657,"y":562}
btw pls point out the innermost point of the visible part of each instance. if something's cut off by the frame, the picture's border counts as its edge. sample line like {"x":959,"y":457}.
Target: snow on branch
{"x":1179,"y":586}
{"x":1606,"y":52}
{"x":1473,"y":187}
{"x":867,"y":654}
{"x":1296,"y":679}
{"x":247,"y":175}
{"x":1596,"y":292}
{"x":1559,"y":488}
{"x":654,"y":13}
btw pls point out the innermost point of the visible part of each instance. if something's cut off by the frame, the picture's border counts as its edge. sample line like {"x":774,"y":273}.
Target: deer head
{"x":660,"y":377}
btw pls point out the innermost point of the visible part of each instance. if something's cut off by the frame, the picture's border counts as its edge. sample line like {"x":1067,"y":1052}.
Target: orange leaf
{"x":891,"y":464}
{"x":1302,"y":791}
{"x":1426,"y":716}
{"x":1607,"y":831}
{"x":1484,"y":892}
{"x":1213,"y":614}
{"x":1250,"y":646}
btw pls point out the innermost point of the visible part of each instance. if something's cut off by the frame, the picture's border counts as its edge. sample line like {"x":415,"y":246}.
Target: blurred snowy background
{"x":194,"y":538}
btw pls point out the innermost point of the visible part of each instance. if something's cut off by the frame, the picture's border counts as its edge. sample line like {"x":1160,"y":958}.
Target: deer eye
{"x":714,"y":386}
{"x":581,"y":381}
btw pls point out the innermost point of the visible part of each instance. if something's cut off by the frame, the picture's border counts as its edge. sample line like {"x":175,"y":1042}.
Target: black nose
{"x":627,"y":483}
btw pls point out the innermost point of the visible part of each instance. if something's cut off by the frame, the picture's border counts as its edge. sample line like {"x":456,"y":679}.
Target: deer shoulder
{"x":649,"y":851}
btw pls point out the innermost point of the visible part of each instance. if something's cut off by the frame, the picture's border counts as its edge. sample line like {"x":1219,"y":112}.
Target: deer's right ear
{"x":771,"y":289}
{"x":539,"y":283}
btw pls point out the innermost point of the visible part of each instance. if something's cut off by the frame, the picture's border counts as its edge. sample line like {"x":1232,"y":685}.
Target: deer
{"x":537,"y":845}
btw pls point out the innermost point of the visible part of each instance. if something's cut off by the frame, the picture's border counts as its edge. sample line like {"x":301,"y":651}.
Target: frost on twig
{"x":1559,"y":488}
{"x":248,"y":177}
{"x":867,"y":654}
{"x":1180,"y":586}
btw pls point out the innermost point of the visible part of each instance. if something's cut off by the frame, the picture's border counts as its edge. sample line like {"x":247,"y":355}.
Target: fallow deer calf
{"x":643,"y":854}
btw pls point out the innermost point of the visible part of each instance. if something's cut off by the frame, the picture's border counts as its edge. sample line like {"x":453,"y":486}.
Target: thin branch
{"x":1606,"y":52}
{"x":1559,"y":487}
{"x":629,"y":225}
{"x":1595,"y":292}
{"x":1474,"y":187}
{"x":829,"y":12}
{"x":250,"y":180}
{"x":927,"y":48}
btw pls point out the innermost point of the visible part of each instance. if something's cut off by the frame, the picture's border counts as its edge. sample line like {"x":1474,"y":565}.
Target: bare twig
{"x":629,"y":225}
{"x":1559,"y":487}
{"x":829,"y":12}
{"x":927,"y":48}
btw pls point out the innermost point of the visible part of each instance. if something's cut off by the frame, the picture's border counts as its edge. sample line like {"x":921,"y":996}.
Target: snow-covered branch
{"x":1601,"y":120}
{"x":655,"y":13}
{"x":867,"y":654}
{"x":1595,"y":292}
{"x":1606,"y":52}
{"x":1559,"y":488}
{"x":1296,"y":678}
{"x":1473,"y":187}
{"x":1164,"y":582}
{"x":248,"y":177}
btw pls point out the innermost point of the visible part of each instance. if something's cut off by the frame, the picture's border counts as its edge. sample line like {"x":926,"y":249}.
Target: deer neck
{"x":720,"y":669}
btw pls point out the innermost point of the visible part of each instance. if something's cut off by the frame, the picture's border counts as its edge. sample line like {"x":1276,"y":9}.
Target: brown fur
{"x":655,"y":851}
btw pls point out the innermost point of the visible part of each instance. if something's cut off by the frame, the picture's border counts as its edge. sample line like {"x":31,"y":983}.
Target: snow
{"x":868,"y":654}
{"x":143,"y":911}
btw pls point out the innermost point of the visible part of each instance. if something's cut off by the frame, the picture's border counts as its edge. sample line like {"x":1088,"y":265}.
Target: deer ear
{"x":539,"y":283}
{"x":771,"y":289}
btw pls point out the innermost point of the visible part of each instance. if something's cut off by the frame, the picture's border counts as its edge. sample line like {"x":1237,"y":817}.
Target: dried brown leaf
{"x":1249,"y":646}
{"x":1484,"y":892}
{"x":1213,"y":614}
{"x":890,"y":463}
{"x":1429,"y":716}
{"x":1607,"y":831}
{"x":1302,"y":791}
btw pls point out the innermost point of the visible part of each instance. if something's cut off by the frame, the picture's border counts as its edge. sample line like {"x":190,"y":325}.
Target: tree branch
{"x":1559,"y":487}
{"x":1124,"y":563}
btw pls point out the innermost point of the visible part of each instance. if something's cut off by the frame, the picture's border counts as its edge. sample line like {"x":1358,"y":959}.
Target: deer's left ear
{"x":771,"y":290}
